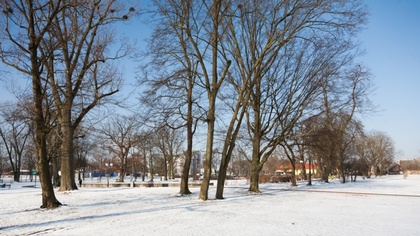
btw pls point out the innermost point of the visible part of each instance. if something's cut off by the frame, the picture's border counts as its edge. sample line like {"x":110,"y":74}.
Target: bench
{"x":4,"y":185}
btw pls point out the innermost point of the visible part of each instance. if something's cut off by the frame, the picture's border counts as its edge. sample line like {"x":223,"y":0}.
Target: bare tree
{"x":4,"y":164}
{"x":344,"y":95}
{"x":169,"y":142}
{"x":15,"y":131}
{"x":293,"y":148}
{"x":378,"y":151}
{"x":240,"y":163}
{"x":173,"y":92}
{"x":197,"y":26}
{"x":308,"y":37}
{"x":119,"y":136}
{"x":79,"y":72}
{"x":24,"y":24}
{"x":83,"y":147}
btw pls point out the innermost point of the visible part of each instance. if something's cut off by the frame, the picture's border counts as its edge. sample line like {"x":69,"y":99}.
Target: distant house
{"x":410,"y":166}
{"x":394,"y":169}
{"x":287,"y":169}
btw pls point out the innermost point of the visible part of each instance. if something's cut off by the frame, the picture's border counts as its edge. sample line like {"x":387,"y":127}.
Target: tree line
{"x":254,"y":77}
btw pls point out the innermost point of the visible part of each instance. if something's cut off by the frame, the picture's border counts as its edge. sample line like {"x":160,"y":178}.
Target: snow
{"x":386,"y":205}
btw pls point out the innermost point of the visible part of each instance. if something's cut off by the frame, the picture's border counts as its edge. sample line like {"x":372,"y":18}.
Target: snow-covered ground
{"x":387,"y":205}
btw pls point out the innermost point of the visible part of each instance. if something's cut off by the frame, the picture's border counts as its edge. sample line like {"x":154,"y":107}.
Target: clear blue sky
{"x":392,"y":42}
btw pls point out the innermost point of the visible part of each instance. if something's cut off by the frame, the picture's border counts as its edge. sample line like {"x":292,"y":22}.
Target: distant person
{"x":80,"y":182}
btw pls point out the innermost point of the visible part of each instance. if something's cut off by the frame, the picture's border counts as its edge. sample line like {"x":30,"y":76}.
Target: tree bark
{"x":67,"y":181}
{"x":209,"y":150}
{"x":255,"y":175}
{"x":188,"y":154}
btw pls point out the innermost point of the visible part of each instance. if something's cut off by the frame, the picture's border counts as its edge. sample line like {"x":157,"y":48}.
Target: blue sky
{"x":392,"y":42}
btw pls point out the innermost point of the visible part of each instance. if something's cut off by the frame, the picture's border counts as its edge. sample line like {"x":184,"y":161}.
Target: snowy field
{"x":388,"y":205}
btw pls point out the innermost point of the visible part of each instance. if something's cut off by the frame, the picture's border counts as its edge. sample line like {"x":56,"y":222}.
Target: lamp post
{"x":81,"y":176}
{"x":109,"y":164}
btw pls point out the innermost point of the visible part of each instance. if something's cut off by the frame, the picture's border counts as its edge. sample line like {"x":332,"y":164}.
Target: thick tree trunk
{"x":122,"y":173}
{"x":254,"y":178}
{"x":16,"y":176}
{"x":48,"y":197}
{"x":67,"y":167}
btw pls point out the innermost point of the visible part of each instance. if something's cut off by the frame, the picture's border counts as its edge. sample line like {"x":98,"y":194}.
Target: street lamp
{"x":109,"y":164}
{"x":81,"y":176}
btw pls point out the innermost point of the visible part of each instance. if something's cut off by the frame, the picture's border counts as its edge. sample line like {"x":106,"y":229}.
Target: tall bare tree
{"x":173,"y":72}
{"x":80,"y":75}
{"x":308,"y":37}
{"x":24,"y":25}
{"x":214,"y":77}
{"x":344,"y":95}
{"x":197,"y":27}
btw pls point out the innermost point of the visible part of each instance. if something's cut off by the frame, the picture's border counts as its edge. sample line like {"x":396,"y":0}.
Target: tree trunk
{"x":221,"y":178}
{"x":342,"y":170}
{"x":122,"y":172}
{"x":208,"y":159}
{"x":49,"y":200}
{"x":67,"y":167}
{"x":254,"y":178}
{"x":304,"y":175}
{"x":16,"y":176}
{"x":230,"y":139}
{"x":183,"y":188}
{"x":310,"y":171}
{"x":165,"y":168}
{"x":48,"y":197}
{"x":54,"y":174}
{"x":124,"y":165}
{"x":326,"y":174}
{"x":151,"y":173}
{"x":256,"y":163}
{"x":293,"y":179}
{"x":209,"y":148}
{"x":171,"y":166}
{"x":144,"y":167}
